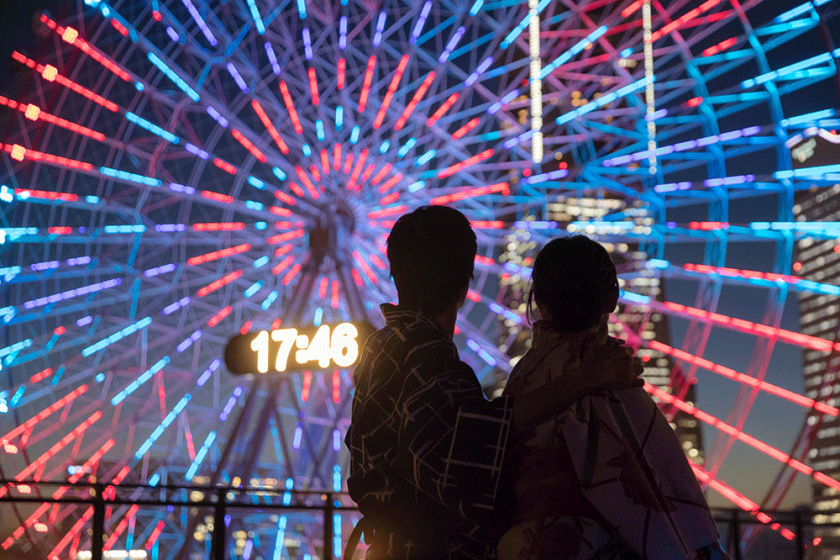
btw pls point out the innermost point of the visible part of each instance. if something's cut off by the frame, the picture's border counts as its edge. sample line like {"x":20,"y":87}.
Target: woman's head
{"x":575,"y":281}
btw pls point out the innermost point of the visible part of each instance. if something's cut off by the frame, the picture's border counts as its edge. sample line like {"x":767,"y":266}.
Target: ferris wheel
{"x":178,"y":172}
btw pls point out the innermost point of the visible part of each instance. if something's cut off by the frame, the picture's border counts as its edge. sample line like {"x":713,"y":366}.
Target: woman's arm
{"x":606,"y":366}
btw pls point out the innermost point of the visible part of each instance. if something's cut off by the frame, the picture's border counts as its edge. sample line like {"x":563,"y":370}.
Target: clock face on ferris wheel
{"x":178,"y":173}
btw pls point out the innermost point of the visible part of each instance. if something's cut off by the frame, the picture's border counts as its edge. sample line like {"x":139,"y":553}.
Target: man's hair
{"x":575,"y":280}
{"x":432,"y":254}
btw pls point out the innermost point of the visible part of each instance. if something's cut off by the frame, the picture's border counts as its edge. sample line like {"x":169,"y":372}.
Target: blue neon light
{"x":262,"y":261}
{"x":301,"y":6}
{"x":17,"y":347}
{"x":133,"y":177}
{"x":119,"y":335}
{"x":281,"y":526}
{"x":237,"y":77}
{"x":195,"y":150}
{"x":385,"y":146}
{"x":485,"y":64}
{"x":269,"y":300}
{"x":354,"y":135}
{"x":604,"y":100}
{"x":201,"y":23}
{"x":162,"y":427}
{"x":208,"y":372}
{"x":416,"y":186}
{"x":319,"y":316}
{"x":422,"y":160}
{"x":187,"y":342}
{"x":176,"y":79}
{"x":453,"y":42}
{"x":153,"y":128}
{"x":278,"y":173}
{"x":319,"y":129}
{"x":231,"y":403}
{"x":307,"y":44}
{"x":403,"y":151}
{"x":173,"y":307}
{"x":476,"y":7}
{"x":72,"y":293}
{"x":199,"y":456}
{"x":577,"y":48}
{"x":170,"y":228}
{"x":342,"y":39}
{"x":253,"y":288}
{"x":255,"y":13}
{"x":380,"y":26}
{"x":217,"y":116}
{"x":339,"y":117}
{"x":511,"y":37}
{"x":145,"y":376}
{"x":272,"y":58}
{"x":633,"y":298}
{"x":421,"y":21}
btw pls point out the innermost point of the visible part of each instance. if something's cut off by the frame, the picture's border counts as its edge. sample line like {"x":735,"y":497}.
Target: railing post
{"x":736,"y":534}
{"x":219,"y":527}
{"x":97,"y":538}
{"x":328,"y":528}
{"x":800,"y":538}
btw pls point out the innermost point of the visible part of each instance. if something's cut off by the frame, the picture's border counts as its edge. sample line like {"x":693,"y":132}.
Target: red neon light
{"x":391,"y":182}
{"x":269,"y":126}
{"x":71,"y":534}
{"x":156,"y":15}
{"x":694,"y":102}
{"x":734,"y":432}
{"x":33,"y":112}
{"x":288,"y":236}
{"x":217,"y":318}
{"x":290,"y":107}
{"x":387,"y":212}
{"x":284,"y":197}
{"x":486,"y":261}
{"x":217,"y":196}
{"x":307,"y":382}
{"x":365,"y":267}
{"x":315,"y":173}
{"x":442,"y":109}
{"x":296,"y":189}
{"x":119,"y":27}
{"x":214,"y":255}
{"x":322,"y":288}
{"x":280,"y":211}
{"x":36,"y":378}
{"x":60,"y":230}
{"x":336,"y":386}
{"x":325,"y":162}
{"x":415,"y":99}
{"x":377,"y":261}
{"x":382,"y":172}
{"x":738,"y":273}
{"x":337,"y":157}
{"x":154,"y":536}
{"x":458,"y":134}
{"x":50,"y":74}
{"x":248,"y":145}
{"x":357,"y":278}
{"x":282,"y":265}
{"x":368,"y":172}
{"x":722,"y":46}
{"x":223,"y":281}
{"x":60,"y":403}
{"x":112,"y":540}
{"x":313,"y":85}
{"x":334,"y":295}
{"x":691,"y":14}
{"x":246,"y":327}
{"x":340,"y":78}
{"x":71,"y":36}
{"x":19,"y":153}
{"x":386,"y":200}
{"x":371,"y":65}
{"x":487,"y":224}
{"x":790,"y":337}
{"x":49,"y":195}
{"x":219,"y":226}
{"x":351,"y":185}
{"x":389,"y":94}
{"x":280,"y":251}
{"x":470,"y":193}
{"x":743,"y":378}
{"x":291,"y":274}
{"x":313,"y":192}
{"x":466,"y":163}
{"x":40,"y":461}
{"x":28,"y":523}
{"x":632,"y":8}
{"x":225,"y":166}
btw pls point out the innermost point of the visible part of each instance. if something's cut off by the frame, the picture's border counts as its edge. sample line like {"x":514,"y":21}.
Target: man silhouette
{"x":426,"y":446}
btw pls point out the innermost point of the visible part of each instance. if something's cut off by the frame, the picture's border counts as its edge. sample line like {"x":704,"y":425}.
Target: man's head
{"x":432,"y":253}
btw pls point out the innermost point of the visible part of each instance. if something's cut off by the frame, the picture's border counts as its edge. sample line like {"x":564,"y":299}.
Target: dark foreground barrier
{"x":98,"y":521}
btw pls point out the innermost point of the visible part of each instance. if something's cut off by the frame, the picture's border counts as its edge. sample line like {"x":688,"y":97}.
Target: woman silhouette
{"x":607,"y":478}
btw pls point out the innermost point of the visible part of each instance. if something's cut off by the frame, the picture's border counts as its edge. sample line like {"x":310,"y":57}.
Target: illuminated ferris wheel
{"x":176,"y":173}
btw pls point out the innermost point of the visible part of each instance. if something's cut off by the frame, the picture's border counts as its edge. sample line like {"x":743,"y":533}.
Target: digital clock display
{"x":293,"y":349}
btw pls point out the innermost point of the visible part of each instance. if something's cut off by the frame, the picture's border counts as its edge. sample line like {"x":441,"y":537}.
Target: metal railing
{"x":735,"y":525}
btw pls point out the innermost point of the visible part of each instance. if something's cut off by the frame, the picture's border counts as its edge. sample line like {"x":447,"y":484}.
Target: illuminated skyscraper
{"x":818,"y":260}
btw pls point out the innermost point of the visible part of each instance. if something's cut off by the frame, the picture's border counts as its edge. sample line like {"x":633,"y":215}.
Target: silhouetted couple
{"x":574,"y":461}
